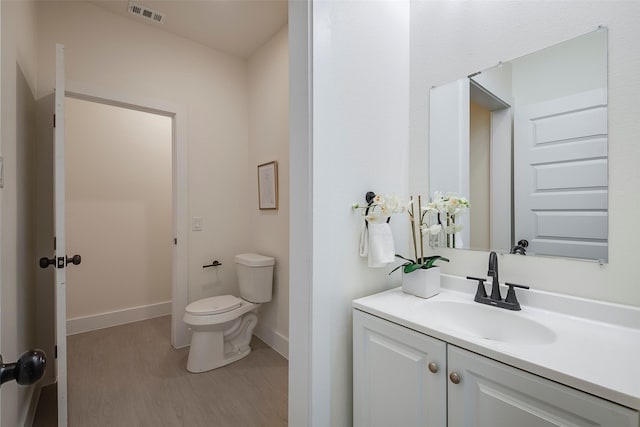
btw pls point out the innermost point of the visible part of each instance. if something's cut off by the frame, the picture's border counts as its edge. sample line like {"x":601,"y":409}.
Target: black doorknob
{"x":46,"y":262}
{"x":27,"y":370}
{"x":75,"y":260}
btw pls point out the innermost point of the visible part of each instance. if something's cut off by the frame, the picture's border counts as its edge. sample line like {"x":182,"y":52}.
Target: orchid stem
{"x":420,"y":229}
{"x":413,"y":228}
{"x":453,"y":237}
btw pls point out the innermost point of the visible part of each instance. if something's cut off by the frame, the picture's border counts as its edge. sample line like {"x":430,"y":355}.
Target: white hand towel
{"x":381,"y":250}
{"x":364,"y":240}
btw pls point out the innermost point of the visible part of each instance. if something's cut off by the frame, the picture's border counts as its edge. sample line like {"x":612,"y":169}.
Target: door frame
{"x":501,"y":179}
{"x":1,"y":176}
{"x":449,"y":139}
{"x":179,"y":288}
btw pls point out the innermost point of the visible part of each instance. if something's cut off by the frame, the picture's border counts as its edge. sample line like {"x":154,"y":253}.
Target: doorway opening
{"x":139,"y":115}
{"x":118,"y":186}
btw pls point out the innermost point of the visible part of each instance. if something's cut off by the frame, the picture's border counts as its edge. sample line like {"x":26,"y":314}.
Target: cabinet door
{"x":392,"y":382}
{"x":493,"y":394}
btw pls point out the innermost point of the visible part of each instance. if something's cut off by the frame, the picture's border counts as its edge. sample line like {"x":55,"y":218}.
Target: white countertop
{"x":600,"y":357}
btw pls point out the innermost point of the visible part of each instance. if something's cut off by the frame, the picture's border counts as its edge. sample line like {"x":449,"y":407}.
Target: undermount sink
{"x":489,"y":323}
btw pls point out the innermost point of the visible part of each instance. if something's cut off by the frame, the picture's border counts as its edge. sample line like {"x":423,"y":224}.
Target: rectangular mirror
{"x":526,"y":143}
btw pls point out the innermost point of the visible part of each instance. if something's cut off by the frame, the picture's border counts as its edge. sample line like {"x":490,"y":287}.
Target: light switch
{"x":196,"y":223}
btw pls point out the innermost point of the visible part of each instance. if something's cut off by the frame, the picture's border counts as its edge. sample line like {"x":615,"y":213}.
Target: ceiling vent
{"x":145,"y":12}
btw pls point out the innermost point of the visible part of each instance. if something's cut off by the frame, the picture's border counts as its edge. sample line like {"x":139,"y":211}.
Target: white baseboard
{"x":29,"y":414}
{"x":115,"y":318}
{"x":274,"y":339}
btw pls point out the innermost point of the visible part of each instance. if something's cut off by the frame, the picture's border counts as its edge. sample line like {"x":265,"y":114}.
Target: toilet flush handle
{"x":215,"y":263}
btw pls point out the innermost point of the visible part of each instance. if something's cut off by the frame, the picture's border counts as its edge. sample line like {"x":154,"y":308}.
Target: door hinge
{"x":56,"y":352}
{"x":54,"y":243}
{"x":54,"y":120}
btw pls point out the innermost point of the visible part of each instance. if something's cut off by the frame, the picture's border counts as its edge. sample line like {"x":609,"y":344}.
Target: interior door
{"x":560,"y":171}
{"x":60,"y":249}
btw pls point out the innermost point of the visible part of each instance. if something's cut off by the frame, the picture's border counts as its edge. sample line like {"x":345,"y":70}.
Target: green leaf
{"x":406,"y":259}
{"x":421,"y":263}
{"x":432,"y":259}
{"x":401,"y":265}
{"x":409,"y":268}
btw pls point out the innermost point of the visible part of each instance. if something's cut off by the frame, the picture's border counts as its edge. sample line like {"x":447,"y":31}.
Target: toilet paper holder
{"x":214,"y":263}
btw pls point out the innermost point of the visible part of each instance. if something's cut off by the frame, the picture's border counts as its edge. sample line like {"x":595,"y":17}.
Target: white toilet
{"x":222,"y":326}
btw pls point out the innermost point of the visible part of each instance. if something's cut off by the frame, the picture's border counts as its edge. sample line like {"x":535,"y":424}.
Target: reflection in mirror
{"x":526,"y":143}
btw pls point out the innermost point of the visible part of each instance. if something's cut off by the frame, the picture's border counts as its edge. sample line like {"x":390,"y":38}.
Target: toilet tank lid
{"x":214,"y":305}
{"x":254,"y":260}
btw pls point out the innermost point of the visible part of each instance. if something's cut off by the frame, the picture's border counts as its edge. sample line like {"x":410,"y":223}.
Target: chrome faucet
{"x":493,"y":272}
{"x":510,"y":302}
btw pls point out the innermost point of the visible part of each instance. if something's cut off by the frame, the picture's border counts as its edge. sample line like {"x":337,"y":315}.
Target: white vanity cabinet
{"x":394,"y":386}
{"x":400,"y":375}
{"x":490,"y":393}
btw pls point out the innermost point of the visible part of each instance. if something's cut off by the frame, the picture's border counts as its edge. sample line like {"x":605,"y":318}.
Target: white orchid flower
{"x":454,"y":228}
{"x":432,"y":230}
{"x":439,"y":202}
{"x":392,"y":204}
{"x":431,"y":207}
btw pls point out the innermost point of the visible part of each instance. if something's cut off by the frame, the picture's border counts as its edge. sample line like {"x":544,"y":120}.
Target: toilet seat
{"x":214,"y":305}
{"x":198,"y":319}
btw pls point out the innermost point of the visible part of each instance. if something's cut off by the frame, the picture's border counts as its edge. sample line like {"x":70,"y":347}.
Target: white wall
{"x":18,"y":261}
{"x":118,"y":207}
{"x":465,"y":37}
{"x":268,"y":80}
{"x":578,"y":65}
{"x":359,"y":102}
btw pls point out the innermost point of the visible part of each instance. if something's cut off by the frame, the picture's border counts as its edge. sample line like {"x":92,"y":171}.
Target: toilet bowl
{"x":222,"y":326}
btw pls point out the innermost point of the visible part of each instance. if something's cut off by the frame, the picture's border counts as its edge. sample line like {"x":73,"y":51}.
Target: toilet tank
{"x":255,"y":277}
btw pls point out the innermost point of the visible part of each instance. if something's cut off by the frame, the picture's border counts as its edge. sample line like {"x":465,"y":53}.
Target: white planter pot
{"x":422,"y":283}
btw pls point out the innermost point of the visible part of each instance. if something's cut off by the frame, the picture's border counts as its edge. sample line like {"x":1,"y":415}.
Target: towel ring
{"x":369,"y":198}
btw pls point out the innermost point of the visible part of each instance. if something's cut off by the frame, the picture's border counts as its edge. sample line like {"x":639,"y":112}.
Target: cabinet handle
{"x":454,"y":377}
{"x":433,"y":367}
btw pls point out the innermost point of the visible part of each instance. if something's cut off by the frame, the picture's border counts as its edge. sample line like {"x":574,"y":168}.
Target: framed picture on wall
{"x":268,"y":185}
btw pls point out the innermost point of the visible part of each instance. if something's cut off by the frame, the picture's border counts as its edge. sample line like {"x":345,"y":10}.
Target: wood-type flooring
{"x":131,"y":376}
